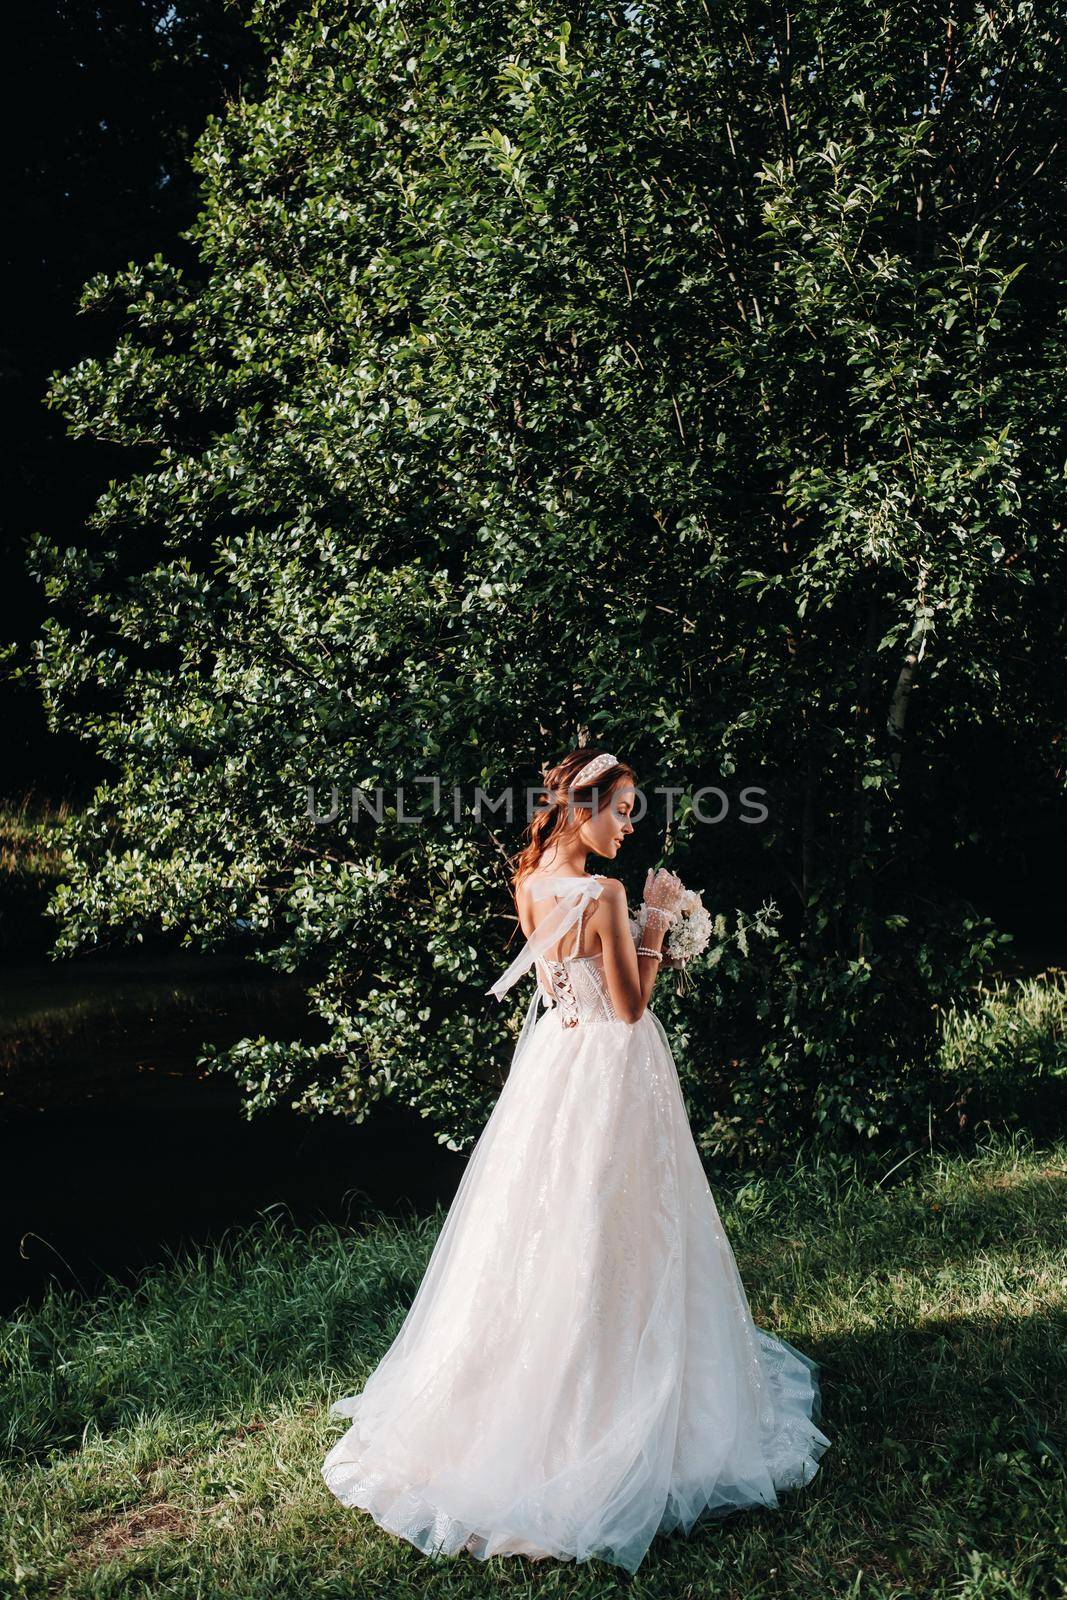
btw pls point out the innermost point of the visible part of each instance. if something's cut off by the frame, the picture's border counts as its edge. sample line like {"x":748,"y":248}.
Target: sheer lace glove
{"x":662,"y":898}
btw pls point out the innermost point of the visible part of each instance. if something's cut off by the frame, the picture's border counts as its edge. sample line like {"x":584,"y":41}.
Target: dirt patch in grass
{"x":106,"y":1537}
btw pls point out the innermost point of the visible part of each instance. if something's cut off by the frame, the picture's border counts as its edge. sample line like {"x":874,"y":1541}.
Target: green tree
{"x":690,"y":373}
{"x":112,"y":97}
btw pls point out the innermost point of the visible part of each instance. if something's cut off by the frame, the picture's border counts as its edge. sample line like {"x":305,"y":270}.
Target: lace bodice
{"x":579,"y":989}
{"x":577,"y":984}
{"x":574,"y":985}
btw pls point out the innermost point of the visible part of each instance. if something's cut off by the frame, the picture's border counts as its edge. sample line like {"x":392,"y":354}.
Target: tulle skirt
{"x":579,"y":1369}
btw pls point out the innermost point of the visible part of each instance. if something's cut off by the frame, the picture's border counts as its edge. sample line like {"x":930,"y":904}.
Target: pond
{"x":115,"y":1149}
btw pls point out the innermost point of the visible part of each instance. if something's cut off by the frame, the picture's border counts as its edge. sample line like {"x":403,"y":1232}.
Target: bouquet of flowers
{"x":689,"y":937}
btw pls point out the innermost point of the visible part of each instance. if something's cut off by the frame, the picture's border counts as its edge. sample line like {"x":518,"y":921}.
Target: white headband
{"x":592,"y":768}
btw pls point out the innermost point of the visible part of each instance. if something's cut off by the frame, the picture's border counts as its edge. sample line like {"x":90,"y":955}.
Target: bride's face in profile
{"x":604,"y":833}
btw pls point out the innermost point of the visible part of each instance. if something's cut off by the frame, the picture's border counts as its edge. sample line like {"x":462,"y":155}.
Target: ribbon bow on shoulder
{"x":575,"y":894}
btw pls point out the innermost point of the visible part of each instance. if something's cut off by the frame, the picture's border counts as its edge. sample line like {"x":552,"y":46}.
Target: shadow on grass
{"x":936,"y":1309}
{"x":272,"y":1306}
{"x":943,"y":1479}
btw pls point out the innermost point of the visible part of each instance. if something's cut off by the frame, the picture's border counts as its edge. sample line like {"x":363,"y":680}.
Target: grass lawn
{"x":166,"y":1439}
{"x":30,"y":868}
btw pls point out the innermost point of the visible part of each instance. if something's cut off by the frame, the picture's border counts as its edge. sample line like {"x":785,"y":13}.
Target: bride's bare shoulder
{"x":524,"y":903}
{"x":612,"y":896}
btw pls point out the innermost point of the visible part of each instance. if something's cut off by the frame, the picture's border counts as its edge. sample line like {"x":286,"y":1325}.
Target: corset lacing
{"x":579,"y":992}
{"x":563,"y":989}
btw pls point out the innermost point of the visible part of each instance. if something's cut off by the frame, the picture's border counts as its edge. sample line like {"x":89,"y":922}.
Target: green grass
{"x":28,"y":851}
{"x":166,"y":1439}
{"x":31,"y":866}
{"x":1003,"y":1052}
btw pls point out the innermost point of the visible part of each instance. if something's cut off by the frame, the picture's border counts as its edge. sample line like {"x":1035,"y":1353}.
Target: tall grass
{"x":166,"y":1439}
{"x":30,"y":867}
{"x":28,"y":850}
{"x":1003,"y":1053}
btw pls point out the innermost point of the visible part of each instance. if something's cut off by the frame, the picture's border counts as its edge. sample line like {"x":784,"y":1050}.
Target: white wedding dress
{"x":579,"y":1368}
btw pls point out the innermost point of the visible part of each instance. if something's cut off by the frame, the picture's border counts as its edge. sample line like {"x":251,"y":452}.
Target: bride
{"x":579,"y":1369}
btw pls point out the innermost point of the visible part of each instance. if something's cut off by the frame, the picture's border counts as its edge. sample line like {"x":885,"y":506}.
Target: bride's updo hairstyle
{"x":551,"y":822}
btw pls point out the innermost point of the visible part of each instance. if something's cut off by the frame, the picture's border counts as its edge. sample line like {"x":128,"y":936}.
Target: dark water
{"x":114,"y":1149}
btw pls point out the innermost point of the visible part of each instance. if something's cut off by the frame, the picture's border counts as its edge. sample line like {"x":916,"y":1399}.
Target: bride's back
{"x":576,"y":944}
{"x":570,"y":970}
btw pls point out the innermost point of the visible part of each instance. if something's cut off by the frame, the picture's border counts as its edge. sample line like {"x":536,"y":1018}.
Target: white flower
{"x":691,"y":934}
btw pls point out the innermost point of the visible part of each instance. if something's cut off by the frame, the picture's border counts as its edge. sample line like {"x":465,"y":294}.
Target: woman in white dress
{"x":579,"y":1369}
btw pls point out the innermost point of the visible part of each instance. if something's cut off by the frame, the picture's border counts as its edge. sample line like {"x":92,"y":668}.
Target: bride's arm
{"x":629,"y":977}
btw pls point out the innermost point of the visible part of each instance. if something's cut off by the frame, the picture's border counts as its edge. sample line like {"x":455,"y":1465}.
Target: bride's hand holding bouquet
{"x":668,"y":903}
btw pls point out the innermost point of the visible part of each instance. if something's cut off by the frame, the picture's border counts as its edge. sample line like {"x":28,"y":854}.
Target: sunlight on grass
{"x":168,"y":1438}
{"x":28,"y":849}
{"x":1003,"y":1052}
